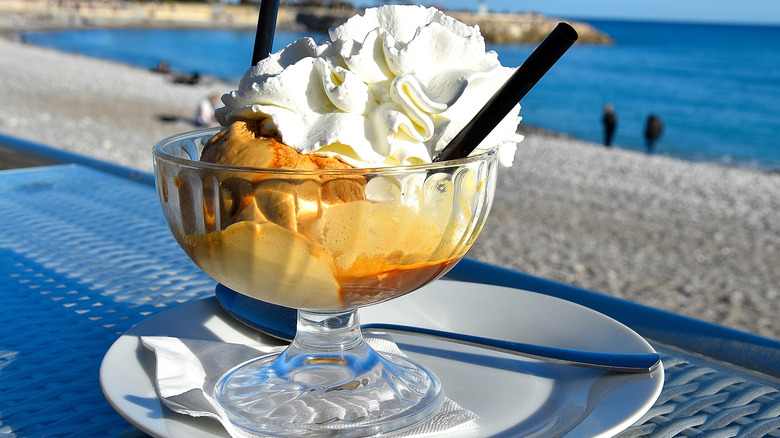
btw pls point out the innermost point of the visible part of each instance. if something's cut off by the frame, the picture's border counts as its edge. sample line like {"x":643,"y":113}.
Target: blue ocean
{"x":715,"y":87}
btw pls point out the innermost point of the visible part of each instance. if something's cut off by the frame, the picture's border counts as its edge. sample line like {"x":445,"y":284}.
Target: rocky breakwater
{"x":518,"y":28}
{"x":506,"y":28}
{"x":16,"y":15}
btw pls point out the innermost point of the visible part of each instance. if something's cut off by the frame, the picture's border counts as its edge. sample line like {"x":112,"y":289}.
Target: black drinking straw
{"x":516,"y":87}
{"x":266,"y":25}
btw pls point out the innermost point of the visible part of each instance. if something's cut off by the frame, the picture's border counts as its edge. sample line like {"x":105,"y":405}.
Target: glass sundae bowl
{"x":325,"y":242}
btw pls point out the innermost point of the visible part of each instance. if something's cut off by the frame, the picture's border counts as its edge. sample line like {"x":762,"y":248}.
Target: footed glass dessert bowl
{"x":325,"y":242}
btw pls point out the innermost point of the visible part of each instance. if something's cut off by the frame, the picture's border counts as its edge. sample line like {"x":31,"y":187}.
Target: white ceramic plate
{"x":512,"y":396}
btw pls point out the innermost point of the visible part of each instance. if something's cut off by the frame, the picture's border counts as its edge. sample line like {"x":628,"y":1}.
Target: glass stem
{"x":334,"y":332}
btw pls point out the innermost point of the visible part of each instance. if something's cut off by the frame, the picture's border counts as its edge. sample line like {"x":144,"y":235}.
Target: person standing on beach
{"x":653,"y":131}
{"x":610,"y":123}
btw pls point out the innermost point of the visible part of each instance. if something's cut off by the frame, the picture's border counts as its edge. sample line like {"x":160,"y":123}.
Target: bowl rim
{"x":159,"y":153}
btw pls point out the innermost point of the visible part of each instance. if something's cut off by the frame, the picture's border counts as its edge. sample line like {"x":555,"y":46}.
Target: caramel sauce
{"x":391,"y":283}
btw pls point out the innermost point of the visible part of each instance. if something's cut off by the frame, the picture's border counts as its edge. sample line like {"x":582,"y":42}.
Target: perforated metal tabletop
{"x":85,"y":254}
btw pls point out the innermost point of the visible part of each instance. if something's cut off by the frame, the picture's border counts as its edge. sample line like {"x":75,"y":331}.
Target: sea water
{"x":715,"y":87}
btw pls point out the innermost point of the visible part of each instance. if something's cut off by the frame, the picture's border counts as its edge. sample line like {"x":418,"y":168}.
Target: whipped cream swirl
{"x":392,"y":87}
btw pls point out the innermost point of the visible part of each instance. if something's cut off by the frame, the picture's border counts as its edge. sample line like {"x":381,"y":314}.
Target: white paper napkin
{"x":188,"y":369}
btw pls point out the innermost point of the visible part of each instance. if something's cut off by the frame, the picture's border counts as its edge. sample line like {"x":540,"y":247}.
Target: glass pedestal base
{"x":352,"y":392}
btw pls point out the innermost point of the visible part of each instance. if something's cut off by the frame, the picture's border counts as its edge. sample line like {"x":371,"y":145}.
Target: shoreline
{"x":699,"y":239}
{"x":12,"y":33}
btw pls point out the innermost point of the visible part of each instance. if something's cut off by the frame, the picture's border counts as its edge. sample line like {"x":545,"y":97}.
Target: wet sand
{"x":698,"y":239}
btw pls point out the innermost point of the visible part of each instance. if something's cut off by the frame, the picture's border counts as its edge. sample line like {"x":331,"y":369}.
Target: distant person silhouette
{"x":204,"y":115}
{"x":653,"y":132}
{"x":610,"y":123}
{"x":162,"y":67}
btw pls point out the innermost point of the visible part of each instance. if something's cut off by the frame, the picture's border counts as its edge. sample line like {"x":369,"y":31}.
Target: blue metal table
{"x":85,"y":254}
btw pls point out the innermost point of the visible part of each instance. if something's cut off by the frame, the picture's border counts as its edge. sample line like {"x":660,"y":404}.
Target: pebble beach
{"x":698,"y":239}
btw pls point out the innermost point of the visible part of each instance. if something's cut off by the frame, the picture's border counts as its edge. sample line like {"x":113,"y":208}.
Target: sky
{"x":719,"y":11}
